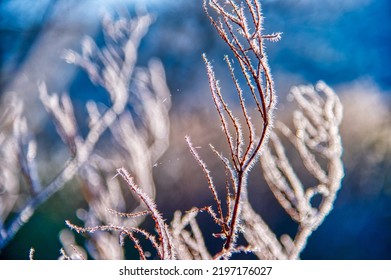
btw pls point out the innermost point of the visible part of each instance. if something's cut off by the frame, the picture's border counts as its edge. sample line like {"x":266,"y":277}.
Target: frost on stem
{"x":163,"y":244}
{"x":240,"y":27}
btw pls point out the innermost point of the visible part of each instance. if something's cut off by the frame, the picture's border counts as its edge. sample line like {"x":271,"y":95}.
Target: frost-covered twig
{"x":163,"y":244}
{"x":240,"y":27}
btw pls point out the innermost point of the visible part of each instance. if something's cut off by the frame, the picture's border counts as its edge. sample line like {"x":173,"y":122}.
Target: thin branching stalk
{"x":232,"y":22}
{"x":166,"y":250}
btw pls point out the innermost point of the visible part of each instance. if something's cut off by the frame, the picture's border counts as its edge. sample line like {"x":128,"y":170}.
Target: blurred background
{"x":346,"y":43}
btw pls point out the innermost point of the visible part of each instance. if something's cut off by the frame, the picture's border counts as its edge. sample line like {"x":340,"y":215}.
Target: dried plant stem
{"x":231,"y":235}
{"x":246,"y":44}
{"x":166,"y":250}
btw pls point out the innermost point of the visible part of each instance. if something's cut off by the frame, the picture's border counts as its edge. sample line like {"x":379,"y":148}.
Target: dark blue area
{"x":319,"y":41}
{"x":355,"y":229}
